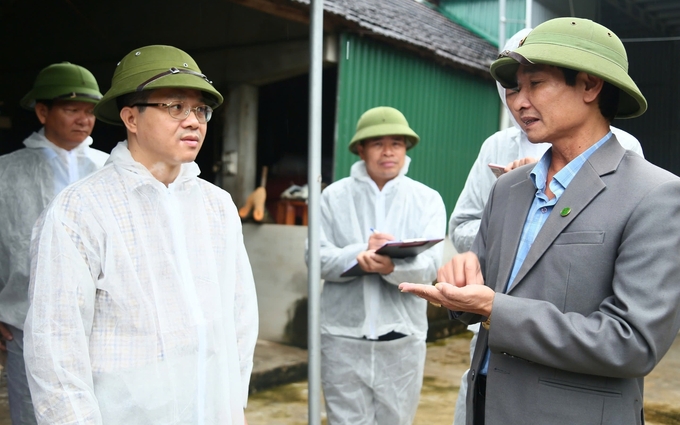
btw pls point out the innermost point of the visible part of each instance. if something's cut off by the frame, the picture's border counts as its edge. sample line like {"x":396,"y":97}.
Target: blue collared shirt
{"x":541,"y":207}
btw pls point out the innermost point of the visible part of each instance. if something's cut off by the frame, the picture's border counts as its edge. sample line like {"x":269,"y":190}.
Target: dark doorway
{"x":282,"y":133}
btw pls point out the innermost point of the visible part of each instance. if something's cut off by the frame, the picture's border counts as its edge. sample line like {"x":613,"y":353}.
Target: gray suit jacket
{"x":594,"y":307}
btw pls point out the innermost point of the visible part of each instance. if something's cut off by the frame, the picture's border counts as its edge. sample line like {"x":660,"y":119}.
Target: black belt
{"x":390,"y":336}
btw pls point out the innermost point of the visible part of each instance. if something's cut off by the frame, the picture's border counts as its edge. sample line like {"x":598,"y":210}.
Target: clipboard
{"x":394,"y":249}
{"x":407,"y":247}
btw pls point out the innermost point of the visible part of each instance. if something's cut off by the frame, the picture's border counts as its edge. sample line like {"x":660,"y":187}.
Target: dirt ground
{"x":446,"y":360}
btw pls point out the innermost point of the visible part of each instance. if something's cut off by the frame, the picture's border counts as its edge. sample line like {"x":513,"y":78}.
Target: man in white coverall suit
{"x":63,"y":98}
{"x":143,"y":308}
{"x":372,"y":335}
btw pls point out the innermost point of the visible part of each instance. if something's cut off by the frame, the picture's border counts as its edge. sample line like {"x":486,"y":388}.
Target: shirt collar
{"x":562,"y":178}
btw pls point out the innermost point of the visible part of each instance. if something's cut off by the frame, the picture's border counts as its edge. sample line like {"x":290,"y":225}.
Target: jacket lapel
{"x":585,"y":186}
{"x":521,"y":197}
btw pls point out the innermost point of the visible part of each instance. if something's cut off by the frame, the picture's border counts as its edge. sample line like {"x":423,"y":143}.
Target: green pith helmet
{"x":382,"y":121}
{"x":63,"y":81}
{"x":150,"y":68}
{"x":581,"y":45}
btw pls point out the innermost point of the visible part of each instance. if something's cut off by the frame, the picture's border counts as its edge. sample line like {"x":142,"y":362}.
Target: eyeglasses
{"x":180,"y":111}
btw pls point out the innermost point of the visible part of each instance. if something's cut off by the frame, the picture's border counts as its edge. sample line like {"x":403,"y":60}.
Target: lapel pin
{"x":565,"y":211}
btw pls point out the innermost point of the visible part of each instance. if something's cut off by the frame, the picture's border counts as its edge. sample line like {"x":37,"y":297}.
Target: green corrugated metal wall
{"x":481,"y":16}
{"x":452,"y":111}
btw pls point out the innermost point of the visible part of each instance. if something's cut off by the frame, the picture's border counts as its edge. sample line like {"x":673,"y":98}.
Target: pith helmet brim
{"x":382,"y":121}
{"x":63,"y":81}
{"x":150,"y":68}
{"x":577,"y":44}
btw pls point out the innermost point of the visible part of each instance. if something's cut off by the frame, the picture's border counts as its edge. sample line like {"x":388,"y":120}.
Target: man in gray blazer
{"x":575,"y":271}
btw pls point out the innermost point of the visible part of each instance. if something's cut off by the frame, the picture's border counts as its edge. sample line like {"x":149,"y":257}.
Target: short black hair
{"x":130,"y":99}
{"x":47,"y":102}
{"x":569,"y":75}
{"x":609,"y":96}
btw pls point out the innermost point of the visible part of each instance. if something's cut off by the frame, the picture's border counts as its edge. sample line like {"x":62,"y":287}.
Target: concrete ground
{"x":286,"y":404}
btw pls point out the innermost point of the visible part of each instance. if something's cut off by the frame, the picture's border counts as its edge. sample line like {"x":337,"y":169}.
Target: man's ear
{"x":129,"y":117}
{"x":41,"y":111}
{"x":593,"y":86}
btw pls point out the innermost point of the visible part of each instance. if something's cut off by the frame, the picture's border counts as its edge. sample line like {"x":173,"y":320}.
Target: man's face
{"x":384,"y":157}
{"x":546,"y":107}
{"x":67,"y":123}
{"x":163,"y":142}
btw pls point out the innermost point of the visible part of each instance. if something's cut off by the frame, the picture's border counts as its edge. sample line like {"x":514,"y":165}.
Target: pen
{"x":373,"y":230}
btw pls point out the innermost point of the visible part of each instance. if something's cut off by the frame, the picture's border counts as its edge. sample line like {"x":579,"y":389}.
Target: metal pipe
{"x":649,"y":39}
{"x":502,"y":19}
{"x":503,"y":118}
{"x":314,"y":212}
{"x":528,"y":13}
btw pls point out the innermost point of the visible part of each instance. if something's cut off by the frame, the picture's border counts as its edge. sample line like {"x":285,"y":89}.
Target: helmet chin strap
{"x":171,"y":71}
{"x":74,"y":95}
{"x":516,"y":56}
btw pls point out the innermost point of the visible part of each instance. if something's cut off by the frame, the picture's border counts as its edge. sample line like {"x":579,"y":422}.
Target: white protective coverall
{"x":367,"y":381}
{"x":29,"y":179}
{"x":143,"y":307}
{"x":500,"y":148}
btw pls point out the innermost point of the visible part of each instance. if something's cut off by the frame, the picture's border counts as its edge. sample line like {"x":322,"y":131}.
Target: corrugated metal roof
{"x":417,"y":25}
{"x":482,"y":17}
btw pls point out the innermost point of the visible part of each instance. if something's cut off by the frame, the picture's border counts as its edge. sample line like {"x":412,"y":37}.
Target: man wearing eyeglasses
{"x":143,"y":307}
{"x":63,"y":98}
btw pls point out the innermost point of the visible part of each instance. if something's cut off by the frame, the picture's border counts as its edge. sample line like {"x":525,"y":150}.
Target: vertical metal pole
{"x":528,"y":13}
{"x":502,"y":20}
{"x":314,"y":182}
{"x":504,"y":118}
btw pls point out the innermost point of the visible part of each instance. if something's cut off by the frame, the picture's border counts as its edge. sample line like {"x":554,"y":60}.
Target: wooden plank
{"x":278,"y":8}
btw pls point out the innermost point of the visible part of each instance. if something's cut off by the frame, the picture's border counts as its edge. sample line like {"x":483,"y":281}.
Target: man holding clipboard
{"x":373,"y":335}
{"x":392,"y":249}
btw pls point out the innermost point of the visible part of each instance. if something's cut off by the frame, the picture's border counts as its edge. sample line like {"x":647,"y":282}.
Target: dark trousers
{"x":479,"y":400}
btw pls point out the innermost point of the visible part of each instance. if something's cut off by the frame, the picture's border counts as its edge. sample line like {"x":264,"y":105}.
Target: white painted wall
{"x":277,"y":256}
